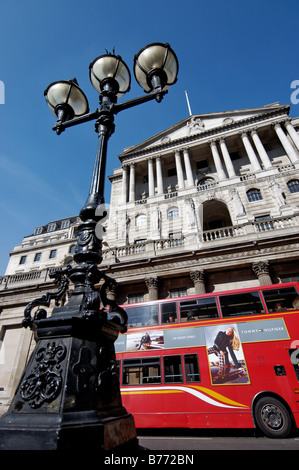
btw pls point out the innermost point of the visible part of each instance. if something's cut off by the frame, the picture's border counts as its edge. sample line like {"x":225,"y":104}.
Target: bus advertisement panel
{"x":225,"y":360}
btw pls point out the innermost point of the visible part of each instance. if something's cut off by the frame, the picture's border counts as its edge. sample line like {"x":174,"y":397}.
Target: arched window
{"x":207,"y":181}
{"x":293,"y":186}
{"x":254,"y":194}
{"x":72,"y":249}
{"x":173,"y":213}
{"x":140,"y":220}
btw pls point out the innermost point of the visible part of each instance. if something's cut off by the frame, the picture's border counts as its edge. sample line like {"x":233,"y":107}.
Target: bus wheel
{"x":273,"y":418}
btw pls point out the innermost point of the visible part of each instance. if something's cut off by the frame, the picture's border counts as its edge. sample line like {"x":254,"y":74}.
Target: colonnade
{"x":252,"y":143}
{"x":198,"y":276}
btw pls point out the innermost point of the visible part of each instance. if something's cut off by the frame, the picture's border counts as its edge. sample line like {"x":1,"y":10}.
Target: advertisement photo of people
{"x":225,"y":354}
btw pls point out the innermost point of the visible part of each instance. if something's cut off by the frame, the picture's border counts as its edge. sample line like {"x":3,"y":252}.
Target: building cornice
{"x":140,"y":149}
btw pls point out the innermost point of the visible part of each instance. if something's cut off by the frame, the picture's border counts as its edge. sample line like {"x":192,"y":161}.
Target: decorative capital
{"x":260,"y":267}
{"x":197,"y":276}
{"x":151,"y":282}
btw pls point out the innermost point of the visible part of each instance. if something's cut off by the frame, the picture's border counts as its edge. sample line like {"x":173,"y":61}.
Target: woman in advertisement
{"x":224,"y":347}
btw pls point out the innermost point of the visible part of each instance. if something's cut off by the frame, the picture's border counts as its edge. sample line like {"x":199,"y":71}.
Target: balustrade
{"x":207,"y":236}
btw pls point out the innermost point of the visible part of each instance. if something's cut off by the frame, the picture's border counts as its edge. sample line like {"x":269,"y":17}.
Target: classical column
{"x":179,"y":169}
{"x":152,"y":285}
{"x":124,"y":190}
{"x":217,"y":160}
{"x":227,"y":159}
{"x":261,"y":149}
{"x":250,"y":152}
{"x":190,"y":180}
{"x":290,"y":151}
{"x":262,"y":271}
{"x":151,"y":182}
{"x":292,"y":132}
{"x":159,"y":175}
{"x":132,"y":183}
{"x":198,"y":278}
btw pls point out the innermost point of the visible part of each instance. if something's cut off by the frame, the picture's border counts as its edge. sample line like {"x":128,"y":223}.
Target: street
{"x":213,"y":440}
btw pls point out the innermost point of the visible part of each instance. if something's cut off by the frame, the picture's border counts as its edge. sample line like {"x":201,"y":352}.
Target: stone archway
{"x":215,"y":215}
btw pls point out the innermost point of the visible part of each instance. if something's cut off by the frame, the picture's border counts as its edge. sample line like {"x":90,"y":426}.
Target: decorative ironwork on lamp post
{"x":69,"y":394}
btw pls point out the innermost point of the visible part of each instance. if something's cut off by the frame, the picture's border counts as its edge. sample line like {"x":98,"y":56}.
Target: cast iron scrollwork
{"x":60,"y":278}
{"x":108,"y":382}
{"x":116,"y":313}
{"x":44,"y":383}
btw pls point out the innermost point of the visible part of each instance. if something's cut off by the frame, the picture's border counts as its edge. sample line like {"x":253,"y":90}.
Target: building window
{"x":135,"y":298}
{"x":173,"y":213}
{"x":235,"y":156}
{"x":141,"y":245}
{"x":202,"y":164}
{"x":38,"y":230}
{"x":208,"y":181}
{"x":178,"y":292}
{"x":293,"y":186}
{"x":53,"y":254}
{"x":264,"y":223}
{"x":171,"y":172}
{"x":37,"y":257}
{"x":176,"y":238}
{"x":72,"y":249}
{"x":140,"y":220}
{"x":23,"y":260}
{"x":65,"y":224}
{"x":51,"y":227}
{"x":254,"y":195}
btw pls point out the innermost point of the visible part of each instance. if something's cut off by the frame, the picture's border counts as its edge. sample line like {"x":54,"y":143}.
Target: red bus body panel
{"x":207,"y":404}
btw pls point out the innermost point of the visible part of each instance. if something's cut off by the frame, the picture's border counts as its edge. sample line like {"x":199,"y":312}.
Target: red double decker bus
{"x":218,"y":360}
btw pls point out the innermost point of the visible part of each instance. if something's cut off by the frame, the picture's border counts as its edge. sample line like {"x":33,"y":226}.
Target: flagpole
{"x":190,"y":112}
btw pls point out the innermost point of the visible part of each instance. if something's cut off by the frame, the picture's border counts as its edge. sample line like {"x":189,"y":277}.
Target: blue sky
{"x":232,"y":55}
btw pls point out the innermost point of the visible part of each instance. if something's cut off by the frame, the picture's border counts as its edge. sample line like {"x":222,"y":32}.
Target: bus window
{"x":248,"y":303}
{"x":198,"y":309}
{"x":173,"y":370}
{"x":279,"y":300}
{"x":144,"y":315}
{"x":141,"y":371}
{"x":169,"y":313}
{"x":191,"y":368}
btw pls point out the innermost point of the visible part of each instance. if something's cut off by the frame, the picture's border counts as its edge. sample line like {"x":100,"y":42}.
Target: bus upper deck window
{"x":198,"y":309}
{"x":279,"y":300}
{"x":143,"y":315}
{"x":247,"y":303}
{"x":169,"y":312}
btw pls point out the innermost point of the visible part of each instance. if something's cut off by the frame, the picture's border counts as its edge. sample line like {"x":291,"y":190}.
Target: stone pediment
{"x":206,"y":125}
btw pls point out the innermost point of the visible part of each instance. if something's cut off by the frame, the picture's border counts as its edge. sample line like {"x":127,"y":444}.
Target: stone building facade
{"x":209,"y":204}
{"x":27,"y":278}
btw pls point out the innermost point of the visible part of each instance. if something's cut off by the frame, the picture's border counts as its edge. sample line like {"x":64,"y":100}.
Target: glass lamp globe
{"x":66,"y":98}
{"x":156,"y":65}
{"x":110,"y":69}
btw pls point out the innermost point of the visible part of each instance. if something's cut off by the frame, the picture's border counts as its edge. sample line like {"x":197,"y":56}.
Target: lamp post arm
{"x":60,"y":125}
{"x":157,"y":95}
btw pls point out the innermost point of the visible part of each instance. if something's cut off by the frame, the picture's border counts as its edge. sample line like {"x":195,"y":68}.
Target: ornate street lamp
{"x":69,"y":394}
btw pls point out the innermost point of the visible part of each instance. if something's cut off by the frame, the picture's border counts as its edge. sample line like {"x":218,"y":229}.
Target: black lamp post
{"x":69,"y":394}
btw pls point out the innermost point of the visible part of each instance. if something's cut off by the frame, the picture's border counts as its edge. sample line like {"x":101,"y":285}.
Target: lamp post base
{"x":46,"y":432}
{"x":69,"y":394}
